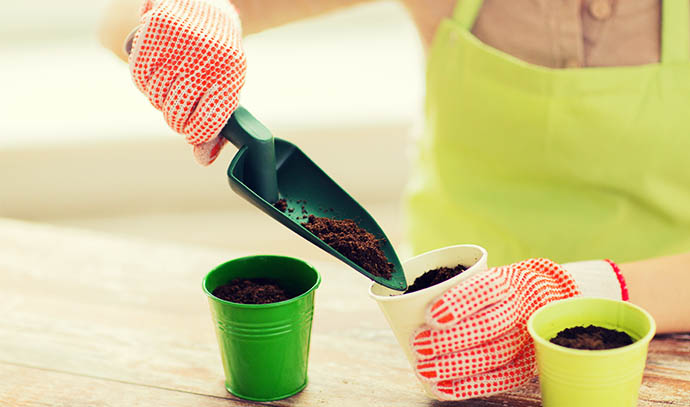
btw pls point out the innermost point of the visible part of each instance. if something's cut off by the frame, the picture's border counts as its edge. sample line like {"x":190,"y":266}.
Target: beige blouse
{"x":559,"y":33}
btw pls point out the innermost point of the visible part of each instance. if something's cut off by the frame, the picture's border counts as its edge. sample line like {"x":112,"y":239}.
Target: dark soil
{"x":352,"y":242}
{"x":591,"y":338}
{"x":435,"y":276}
{"x":281,"y":205}
{"x":252,"y":291}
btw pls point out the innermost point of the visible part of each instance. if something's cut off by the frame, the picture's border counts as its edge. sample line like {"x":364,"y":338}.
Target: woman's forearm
{"x":122,"y":16}
{"x":259,"y":15}
{"x":662,"y":287}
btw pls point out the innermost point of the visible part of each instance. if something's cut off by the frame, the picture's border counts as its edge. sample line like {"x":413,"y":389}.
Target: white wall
{"x":360,"y":66}
{"x":80,"y":146}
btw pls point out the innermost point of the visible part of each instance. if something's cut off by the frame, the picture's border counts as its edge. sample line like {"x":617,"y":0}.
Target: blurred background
{"x":81,"y":147}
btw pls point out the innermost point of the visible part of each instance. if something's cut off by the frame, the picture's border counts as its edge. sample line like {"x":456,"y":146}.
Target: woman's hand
{"x":475,"y":341}
{"x":186,"y":57}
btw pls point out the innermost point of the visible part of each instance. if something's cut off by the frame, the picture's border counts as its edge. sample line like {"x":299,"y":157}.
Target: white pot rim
{"x":450,"y":282}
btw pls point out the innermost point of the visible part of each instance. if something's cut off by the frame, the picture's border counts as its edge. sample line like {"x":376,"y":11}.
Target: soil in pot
{"x":252,"y":291}
{"x":591,"y":337}
{"x":353,"y":242}
{"x":435,"y":276}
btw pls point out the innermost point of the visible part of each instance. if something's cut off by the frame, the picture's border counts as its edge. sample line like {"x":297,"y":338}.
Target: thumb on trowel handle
{"x":244,"y":130}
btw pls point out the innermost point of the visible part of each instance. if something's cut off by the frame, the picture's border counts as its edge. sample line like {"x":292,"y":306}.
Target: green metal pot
{"x":264,"y":347}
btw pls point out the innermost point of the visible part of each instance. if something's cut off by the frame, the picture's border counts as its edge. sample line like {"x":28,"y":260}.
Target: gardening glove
{"x":187,"y":58}
{"x":475,"y":340}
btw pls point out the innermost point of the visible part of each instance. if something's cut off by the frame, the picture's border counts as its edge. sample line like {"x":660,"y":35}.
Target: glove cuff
{"x":598,"y":278}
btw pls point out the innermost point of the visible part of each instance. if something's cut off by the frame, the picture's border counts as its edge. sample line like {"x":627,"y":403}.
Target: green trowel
{"x":266,"y":169}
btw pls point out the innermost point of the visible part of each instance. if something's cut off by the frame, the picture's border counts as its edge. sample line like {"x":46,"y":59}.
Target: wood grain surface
{"x":88,"y":319}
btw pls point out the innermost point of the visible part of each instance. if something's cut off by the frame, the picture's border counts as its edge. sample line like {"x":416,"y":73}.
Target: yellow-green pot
{"x":589,"y":378}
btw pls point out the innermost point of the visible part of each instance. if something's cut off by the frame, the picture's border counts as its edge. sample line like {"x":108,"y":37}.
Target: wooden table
{"x":93,"y":320}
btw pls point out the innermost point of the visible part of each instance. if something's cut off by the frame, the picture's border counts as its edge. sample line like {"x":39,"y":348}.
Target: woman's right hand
{"x":186,"y":56}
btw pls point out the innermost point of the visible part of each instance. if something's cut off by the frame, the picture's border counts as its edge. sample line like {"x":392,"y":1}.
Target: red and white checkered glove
{"x":475,"y":342}
{"x":187,"y":58}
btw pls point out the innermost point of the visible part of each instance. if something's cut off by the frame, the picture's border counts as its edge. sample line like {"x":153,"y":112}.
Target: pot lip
{"x":641,"y":342}
{"x":420,"y":293}
{"x":271,"y":304}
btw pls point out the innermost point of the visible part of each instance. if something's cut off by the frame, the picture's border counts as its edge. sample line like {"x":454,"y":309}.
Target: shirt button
{"x":600,"y":9}
{"x":571,"y":63}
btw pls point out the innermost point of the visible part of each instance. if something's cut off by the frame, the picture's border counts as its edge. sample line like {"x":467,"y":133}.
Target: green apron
{"x":570,"y":164}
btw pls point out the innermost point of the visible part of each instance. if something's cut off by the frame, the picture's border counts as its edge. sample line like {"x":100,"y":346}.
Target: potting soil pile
{"x":435,"y":276}
{"x":352,"y":242}
{"x":592,"y":338}
{"x":252,"y":291}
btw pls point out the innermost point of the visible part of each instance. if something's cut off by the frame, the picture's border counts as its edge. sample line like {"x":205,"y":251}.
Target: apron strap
{"x":466,"y":12}
{"x":675,"y":31}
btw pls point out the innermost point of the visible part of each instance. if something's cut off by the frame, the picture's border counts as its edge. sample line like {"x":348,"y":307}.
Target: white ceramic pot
{"x":405,"y":312}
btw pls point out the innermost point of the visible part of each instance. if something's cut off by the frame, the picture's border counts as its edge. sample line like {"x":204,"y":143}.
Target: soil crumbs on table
{"x":352,"y":242}
{"x":591,"y":338}
{"x":281,"y":205}
{"x":435,"y":276}
{"x":252,"y":291}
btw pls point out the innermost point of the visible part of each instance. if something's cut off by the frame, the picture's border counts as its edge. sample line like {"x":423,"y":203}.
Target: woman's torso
{"x":564,"y":163}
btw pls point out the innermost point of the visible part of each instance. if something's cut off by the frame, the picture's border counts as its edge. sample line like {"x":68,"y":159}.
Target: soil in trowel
{"x":591,"y":338}
{"x":252,"y":291}
{"x":352,"y":242}
{"x":435,"y":276}
{"x":281,"y":205}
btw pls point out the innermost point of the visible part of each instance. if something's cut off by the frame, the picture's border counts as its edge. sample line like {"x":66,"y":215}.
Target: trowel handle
{"x":244,"y":130}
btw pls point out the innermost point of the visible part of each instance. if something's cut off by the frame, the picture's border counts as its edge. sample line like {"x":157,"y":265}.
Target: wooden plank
{"x":27,"y":387}
{"x":103,"y":307}
{"x":93,"y":306}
